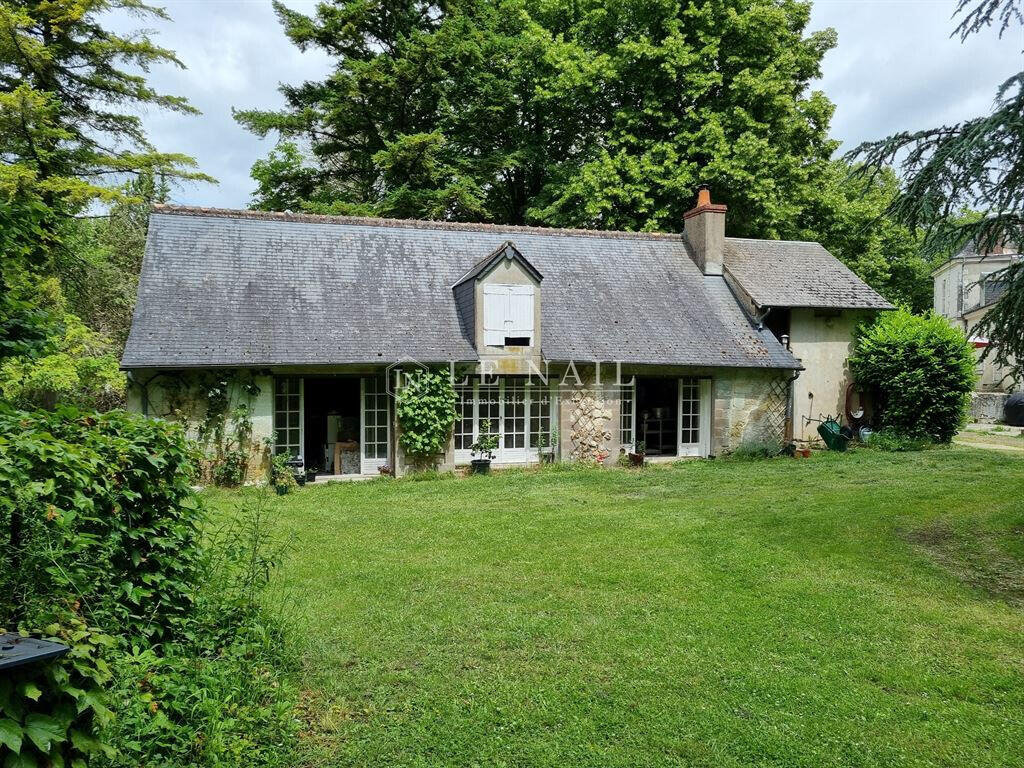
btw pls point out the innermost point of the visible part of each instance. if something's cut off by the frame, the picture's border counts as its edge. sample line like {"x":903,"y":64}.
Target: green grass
{"x":864,"y":609}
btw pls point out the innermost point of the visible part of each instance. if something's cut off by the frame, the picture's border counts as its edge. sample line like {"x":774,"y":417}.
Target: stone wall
{"x":987,"y":407}
{"x":749,"y":407}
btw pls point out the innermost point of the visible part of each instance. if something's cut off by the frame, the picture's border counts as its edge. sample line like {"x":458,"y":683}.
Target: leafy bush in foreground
{"x":920,"y":370}
{"x":104,"y":549}
{"x":98,"y":508}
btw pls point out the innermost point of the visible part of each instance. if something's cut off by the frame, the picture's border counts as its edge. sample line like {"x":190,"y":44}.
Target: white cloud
{"x":895,"y":68}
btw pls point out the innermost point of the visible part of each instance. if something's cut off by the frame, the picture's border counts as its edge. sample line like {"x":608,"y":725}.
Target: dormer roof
{"x":506,"y":250}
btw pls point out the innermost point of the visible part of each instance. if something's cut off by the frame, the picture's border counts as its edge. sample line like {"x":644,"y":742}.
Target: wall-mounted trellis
{"x":776,"y":411}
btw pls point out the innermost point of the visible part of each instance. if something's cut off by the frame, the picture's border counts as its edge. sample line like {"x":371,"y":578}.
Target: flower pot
{"x":311,"y":476}
{"x":480,"y":466}
{"x":547,"y":458}
{"x":300,"y":479}
{"x":636,"y":459}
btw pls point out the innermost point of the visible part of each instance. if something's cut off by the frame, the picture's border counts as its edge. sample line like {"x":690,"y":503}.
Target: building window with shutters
{"x":508,"y":315}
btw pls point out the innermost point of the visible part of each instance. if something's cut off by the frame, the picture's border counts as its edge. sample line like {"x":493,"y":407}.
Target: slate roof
{"x":787,"y":273}
{"x":245,"y":288}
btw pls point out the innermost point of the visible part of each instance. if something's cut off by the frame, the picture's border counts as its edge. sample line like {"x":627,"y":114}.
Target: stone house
{"x":964,"y":289}
{"x":288,"y":333}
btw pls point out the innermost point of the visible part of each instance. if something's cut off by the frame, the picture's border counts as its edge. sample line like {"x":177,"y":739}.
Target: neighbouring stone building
{"x":965,"y":288}
{"x":285,"y":333}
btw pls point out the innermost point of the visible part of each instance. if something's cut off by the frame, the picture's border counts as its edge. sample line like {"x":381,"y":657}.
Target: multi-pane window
{"x":375,"y":419}
{"x":515,"y":413}
{"x":689,"y":411}
{"x":518,"y":412}
{"x":287,"y":416}
{"x":489,"y":407}
{"x":540,"y":416}
{"x":627,"y":405}
{"x":464,"y":418}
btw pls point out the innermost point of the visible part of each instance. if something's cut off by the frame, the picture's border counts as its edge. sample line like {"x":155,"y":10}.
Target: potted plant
{"x":484,"y":447}
{"x":311,"y":472}
{"x":636,"y":456}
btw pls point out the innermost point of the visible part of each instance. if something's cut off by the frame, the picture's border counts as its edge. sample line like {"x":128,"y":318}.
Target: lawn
{"x":858,"y":609}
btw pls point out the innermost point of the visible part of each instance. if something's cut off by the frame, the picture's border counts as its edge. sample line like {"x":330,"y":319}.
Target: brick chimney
{"x":704,"y":226}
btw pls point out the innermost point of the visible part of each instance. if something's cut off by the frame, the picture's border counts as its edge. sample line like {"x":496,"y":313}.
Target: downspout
{"x":790,"y":408}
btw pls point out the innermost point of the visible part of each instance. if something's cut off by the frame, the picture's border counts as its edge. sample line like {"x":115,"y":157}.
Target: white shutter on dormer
{"x":508,"y":311}
{"x":520,"y":315}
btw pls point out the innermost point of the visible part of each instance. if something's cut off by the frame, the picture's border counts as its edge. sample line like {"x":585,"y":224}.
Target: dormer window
{"x":508,"y":315}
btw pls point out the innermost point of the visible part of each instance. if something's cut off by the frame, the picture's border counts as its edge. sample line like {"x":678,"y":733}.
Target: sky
{"x":895,"y":68}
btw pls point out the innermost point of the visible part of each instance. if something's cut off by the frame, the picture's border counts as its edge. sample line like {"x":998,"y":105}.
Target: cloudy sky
{"x":895,"y":68}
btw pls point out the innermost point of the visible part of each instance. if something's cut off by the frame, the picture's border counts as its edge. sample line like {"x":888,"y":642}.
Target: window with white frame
{"x":508,"y":315}
{"x":518,"y":411}
{"x":288,"y":416}
{"x":540,"y":415}
{"x":463,"y":431}
{"x":375,"y":418}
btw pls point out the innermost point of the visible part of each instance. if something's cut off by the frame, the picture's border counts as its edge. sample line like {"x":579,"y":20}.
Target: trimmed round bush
{"x":920,"y":370}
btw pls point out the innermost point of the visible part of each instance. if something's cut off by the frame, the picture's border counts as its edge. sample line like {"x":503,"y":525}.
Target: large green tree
{"x":591,"y":113}
{"x":71,"y":92}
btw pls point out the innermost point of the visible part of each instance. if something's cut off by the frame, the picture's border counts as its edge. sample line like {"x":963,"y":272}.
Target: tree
{"x":70,"y":135}
{"x":976,"y":164}
{"x":101,"y":260}
{"x":520,"y":111}
{"x":66,"y":99}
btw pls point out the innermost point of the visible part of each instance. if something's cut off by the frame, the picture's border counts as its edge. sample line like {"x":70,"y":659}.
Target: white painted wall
{"x":823,"y":342}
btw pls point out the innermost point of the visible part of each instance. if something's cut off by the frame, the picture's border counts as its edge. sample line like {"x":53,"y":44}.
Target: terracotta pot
{"x":636,"y":459}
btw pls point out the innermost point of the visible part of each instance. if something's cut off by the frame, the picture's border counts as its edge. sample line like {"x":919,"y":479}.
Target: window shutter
{"x":508,"y":311}
{"x":520,"y":319}
{"x":495,"y":309}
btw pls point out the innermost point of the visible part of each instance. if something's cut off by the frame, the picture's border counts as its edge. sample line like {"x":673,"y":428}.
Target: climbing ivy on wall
{"x":426,"y":412}
{"x":219,"y":406}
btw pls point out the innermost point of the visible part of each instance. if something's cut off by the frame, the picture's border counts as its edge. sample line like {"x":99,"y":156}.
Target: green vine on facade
{"x":426,"y":413}
{"x":225,"y":400}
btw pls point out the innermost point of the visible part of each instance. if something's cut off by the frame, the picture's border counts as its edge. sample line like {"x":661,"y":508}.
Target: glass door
{"x":694,"y":417}
{"x":288,"y":416}
{"x":513,"y":440}
{"x":374,"y":424}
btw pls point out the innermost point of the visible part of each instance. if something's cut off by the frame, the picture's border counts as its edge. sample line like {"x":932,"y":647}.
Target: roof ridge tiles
{"x":426,"y":224}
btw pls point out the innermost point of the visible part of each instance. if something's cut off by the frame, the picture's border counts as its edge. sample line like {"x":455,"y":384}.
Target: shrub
{"x":280,"y":476}
{"x":49,"y":713}
{"x":220,"y":693}
{"x":920,"y":370}
{"x":104,"y":551}
{"x":98,"y":508}
{"x":426,"y":412}
{"x":755,"y":449}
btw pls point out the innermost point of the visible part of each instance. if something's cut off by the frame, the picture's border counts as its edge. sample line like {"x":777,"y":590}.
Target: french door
{"x":694,"y":422}
{"x":374,"y":424}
